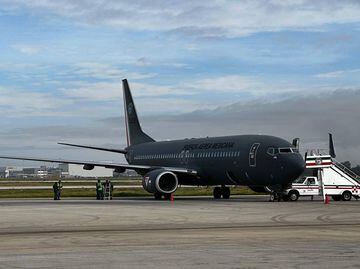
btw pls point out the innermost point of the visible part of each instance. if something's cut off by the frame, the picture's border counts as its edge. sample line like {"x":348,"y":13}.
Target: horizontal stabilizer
{"x":123,"y":151}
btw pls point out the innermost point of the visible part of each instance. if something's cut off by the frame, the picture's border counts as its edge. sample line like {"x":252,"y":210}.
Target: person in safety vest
{"x":55,"y":188}
{"x":99,"y":190}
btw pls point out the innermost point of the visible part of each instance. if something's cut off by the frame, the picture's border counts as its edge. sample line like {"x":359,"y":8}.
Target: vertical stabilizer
{"x":134,"y":133}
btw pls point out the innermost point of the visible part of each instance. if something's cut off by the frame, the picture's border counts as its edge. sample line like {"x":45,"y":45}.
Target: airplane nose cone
{"x":296,"y":166}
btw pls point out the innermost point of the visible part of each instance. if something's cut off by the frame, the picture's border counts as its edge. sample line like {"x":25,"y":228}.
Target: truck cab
{"x":304,"y":186}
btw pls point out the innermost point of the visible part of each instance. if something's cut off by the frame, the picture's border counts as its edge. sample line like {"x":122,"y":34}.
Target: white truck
{"x":333,"y":180}
{"x":304,"y":186}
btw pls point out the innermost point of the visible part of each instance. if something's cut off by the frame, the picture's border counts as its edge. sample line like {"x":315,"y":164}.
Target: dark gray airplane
{"x":264,"y":163}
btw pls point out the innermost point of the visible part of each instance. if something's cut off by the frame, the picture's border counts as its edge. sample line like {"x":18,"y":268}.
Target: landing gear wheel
{"x":225,"y":192}
{"x":217,"y":193}
{"x":272,"y":197}
{"x":336,"y":197}
{"x":346,"y":196}
{"x":157,"y":196}
{"x":293,"y":196}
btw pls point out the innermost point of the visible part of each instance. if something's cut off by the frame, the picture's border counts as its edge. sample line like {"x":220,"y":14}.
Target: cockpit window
{"x":271,"y":151}
{"x":285,"y":150}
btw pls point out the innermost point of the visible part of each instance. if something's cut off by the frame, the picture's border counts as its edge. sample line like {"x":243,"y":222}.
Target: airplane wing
{"x":123,"y":151}
{"x":91,"y":164}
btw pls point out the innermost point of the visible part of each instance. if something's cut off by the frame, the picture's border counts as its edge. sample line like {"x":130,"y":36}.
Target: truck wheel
{"x":293,"y":196}
{"x":336,"y":197}
{"x":346,"y":196}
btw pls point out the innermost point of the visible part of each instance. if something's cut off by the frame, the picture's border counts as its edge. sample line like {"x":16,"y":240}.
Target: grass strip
{"x":125,"y":192}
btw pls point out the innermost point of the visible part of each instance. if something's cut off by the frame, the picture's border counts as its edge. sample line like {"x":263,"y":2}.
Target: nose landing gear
{"x":276,"y":194}
{"x":221,"y":192}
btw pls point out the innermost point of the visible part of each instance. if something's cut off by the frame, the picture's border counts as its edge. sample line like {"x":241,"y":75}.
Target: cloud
{"x":215,"y":18}
{"x":15,"y":102}
{"x":110,"y":91}
{"x":107,"y":91}
{"x":27,"y":49}
{"x":228,"y":83}
{"x":105,"y":72}
{"x":338,"y":74}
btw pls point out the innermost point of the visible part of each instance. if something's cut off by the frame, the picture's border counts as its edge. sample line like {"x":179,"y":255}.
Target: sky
{"x":288,"y":68}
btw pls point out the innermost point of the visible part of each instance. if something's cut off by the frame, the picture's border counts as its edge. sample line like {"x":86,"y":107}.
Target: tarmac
{"x":243,"y":232}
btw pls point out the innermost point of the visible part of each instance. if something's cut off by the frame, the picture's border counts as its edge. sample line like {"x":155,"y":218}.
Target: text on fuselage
{"x":209,"y":146}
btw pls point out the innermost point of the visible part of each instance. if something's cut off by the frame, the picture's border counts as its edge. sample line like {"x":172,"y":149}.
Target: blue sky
{"x":61,"y":62}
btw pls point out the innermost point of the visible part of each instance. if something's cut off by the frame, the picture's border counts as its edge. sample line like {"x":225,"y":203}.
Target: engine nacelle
{"x":88,"y":167}
{"x":161,"y":181}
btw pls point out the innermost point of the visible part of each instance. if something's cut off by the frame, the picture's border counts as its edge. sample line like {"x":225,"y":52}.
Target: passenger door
{"x":252,"y":154}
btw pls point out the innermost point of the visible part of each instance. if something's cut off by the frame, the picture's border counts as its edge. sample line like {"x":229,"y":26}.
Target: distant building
{"x":74,"y":170}
{"x":2,"y":172}
{"x":30,"y":172}
{"x":10,"y":172}
{"x":42,"y":173}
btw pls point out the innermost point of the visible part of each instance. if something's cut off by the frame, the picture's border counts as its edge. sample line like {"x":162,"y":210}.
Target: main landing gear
{"x":223,"y":192}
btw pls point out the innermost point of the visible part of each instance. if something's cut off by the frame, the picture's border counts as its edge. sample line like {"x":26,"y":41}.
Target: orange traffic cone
{"x":327,"y":199}
{"x":172,"y":197}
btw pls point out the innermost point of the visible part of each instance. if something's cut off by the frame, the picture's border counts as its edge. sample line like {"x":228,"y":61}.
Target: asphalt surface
{"x":243,"y":232}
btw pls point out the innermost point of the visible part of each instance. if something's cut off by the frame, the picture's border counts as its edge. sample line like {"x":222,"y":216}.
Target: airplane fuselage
{"x":254,"y":160}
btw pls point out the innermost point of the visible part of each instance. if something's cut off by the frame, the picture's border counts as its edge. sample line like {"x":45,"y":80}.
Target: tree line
{"x":355,"y":169}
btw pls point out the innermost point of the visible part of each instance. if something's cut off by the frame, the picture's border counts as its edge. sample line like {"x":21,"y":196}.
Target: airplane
{"x":262,"y":162}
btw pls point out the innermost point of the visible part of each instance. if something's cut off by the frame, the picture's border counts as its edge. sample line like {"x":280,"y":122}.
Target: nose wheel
{"x":275,"y":196}
{"x":221,"y":192}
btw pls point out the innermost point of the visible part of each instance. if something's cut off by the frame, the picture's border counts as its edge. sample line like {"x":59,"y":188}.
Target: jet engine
{"x":160,"y":181}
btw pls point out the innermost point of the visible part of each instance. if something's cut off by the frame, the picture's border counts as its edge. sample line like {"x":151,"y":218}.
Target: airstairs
{"x":346,"y":170}
{"x":332,"y":175}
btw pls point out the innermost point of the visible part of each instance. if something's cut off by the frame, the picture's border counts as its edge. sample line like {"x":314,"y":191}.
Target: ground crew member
{"x":55,"y":188}
{"x":99,"y":190}
{"x":59,"y":189}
